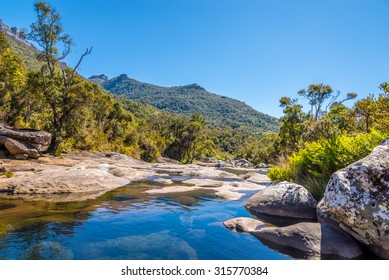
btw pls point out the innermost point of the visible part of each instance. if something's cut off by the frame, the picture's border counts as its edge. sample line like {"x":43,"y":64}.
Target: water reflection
{"x":154,"y":246}
{"x":125,"y":223}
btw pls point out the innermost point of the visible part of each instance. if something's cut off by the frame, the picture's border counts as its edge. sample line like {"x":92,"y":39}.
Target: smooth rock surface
{"x":16,"y":148}
{"x":39,"y":140}
{"x":317,"y":240}
{"x":357,"y":197}
{"x":284,"y":199}
{"x":243,"y":224}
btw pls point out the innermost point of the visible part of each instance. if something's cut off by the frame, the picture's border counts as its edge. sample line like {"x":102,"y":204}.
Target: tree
{"x":61,"y":88}
{"x":364,"y":110}
{"x":12,"y":79}
{"x":291,"y":125}
{"x":188,"y":139}
{"x":317,"y":94}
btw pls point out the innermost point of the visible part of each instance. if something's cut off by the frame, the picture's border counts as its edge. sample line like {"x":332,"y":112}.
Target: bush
{"x":313,"y":165}
{"x":8,"y":174}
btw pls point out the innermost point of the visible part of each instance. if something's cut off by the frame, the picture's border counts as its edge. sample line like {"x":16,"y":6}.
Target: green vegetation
{"x":8,"y":174}
{"x":38,"y":90}
{"x":220,"y":111}
{"x":28,"y":54}
{"x":311,"y":146}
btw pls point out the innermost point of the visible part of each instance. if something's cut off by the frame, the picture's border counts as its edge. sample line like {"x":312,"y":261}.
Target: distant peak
{"x":98,"y":79}
{"x":194,"y":86}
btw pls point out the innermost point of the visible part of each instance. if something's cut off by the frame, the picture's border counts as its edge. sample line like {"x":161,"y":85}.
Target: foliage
{"x":12,"y":77}
{"x":319,"y":159}
{"x":222,"y":112}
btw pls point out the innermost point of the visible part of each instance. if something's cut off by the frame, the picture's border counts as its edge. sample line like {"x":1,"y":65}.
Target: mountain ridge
{"x":220,"y":110}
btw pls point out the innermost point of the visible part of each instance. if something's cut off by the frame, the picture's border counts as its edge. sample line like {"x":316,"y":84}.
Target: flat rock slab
{"x":285,"y":200}
{"x":243,"y":224}
{"x":317,"y":240}
{"x":62,"y":181}
{"x":255,"y":177}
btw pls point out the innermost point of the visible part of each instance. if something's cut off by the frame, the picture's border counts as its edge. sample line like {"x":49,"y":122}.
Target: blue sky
{"x":254,"y":51}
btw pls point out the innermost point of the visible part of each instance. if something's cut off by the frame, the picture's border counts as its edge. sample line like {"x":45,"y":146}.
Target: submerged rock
{"x":285,"y":200}
{"x":317,"y":240}
{"x":243,"y":224}
{"x":356,"y":198}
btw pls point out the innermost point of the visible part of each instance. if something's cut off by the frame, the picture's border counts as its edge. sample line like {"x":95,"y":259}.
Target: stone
{"x":228,"y":195}
{"x":242,"y":163}
{"x":262,"y":165}
{"x":243,"y":224}
{"x":356,"y":198}
{"x":317,"y":240}
{"x":255,"y":177}
{"x":40,"y":140}
{"x":284,"y":199}
{"x":16,"y":148}
{"x":21,"y":156}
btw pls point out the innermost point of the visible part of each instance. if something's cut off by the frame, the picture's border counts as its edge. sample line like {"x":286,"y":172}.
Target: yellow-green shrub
{"x":319,"y":159}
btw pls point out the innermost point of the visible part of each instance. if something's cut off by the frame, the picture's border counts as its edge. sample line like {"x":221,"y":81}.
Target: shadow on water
{"x":277,"y":221}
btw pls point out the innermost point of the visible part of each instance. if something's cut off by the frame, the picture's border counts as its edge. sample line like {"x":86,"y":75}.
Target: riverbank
{"x":89,"y":175}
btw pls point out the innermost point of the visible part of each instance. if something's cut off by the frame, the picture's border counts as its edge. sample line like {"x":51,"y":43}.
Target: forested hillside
{"x":220,"y":111}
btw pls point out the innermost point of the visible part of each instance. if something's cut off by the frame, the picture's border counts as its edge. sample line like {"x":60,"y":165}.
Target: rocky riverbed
{"x":91,"y":174}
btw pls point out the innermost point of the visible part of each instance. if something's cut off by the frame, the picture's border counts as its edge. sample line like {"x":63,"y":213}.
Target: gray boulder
{"x":16,"y":148}
{"x":356,"y":198}
{"x":40,"y":140}
{"x":23,"y":143}
{"x":284,"y":199}
{"x":314,"y":239}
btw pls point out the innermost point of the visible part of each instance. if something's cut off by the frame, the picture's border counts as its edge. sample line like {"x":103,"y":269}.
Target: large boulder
{"x":284,"y":199}
{"x":357,"y":198}
{"x":24,"y":143}
{"x":16,"y":148}
{"x":40,"y":140}
{"x":314,"y":239}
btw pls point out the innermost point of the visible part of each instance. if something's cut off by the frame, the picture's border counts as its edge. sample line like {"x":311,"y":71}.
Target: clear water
{"x":127,"y":224}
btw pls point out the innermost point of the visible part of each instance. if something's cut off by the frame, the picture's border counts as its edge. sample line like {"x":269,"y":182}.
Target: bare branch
{"x":87,"y":51}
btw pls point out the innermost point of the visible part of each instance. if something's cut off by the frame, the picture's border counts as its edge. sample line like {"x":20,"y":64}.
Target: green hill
{"x":224,"y":112}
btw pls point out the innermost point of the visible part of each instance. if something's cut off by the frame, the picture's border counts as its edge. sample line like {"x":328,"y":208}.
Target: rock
{"x":16,"y":148}
{"x":61,"y":180}
{"x":241,"y":163}
{"x":262,"y":165}
{"x":255,"y":177}
{"x":318,"y":240}
{"x":40,"y":140}
{"x":21,"y":156}
{"x":243,"y":224}
{"x":357,"y":197}
{"x":208,"y":160}
{"x":228,"y":195}
{"x":285,"y":200}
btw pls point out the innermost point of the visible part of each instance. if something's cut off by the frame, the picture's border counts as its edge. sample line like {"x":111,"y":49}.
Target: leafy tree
{"x":188,"y":140}
{"x":12,"y":79}
{"x":291,"y":125}
{"x":59,"y":86}
{"x":317,"y":94}
{"x":364,"y":110}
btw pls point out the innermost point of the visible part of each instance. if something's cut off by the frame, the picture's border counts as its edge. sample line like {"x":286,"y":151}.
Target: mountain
{"x":18,"y":43}
{"x":98,"y":79}
{"x":222,"y":111}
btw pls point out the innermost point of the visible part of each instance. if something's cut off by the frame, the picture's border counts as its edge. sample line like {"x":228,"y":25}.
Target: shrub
{"x":313,"y":165}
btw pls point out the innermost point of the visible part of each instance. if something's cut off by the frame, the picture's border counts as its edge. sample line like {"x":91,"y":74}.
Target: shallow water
{"x":127,"y":224}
